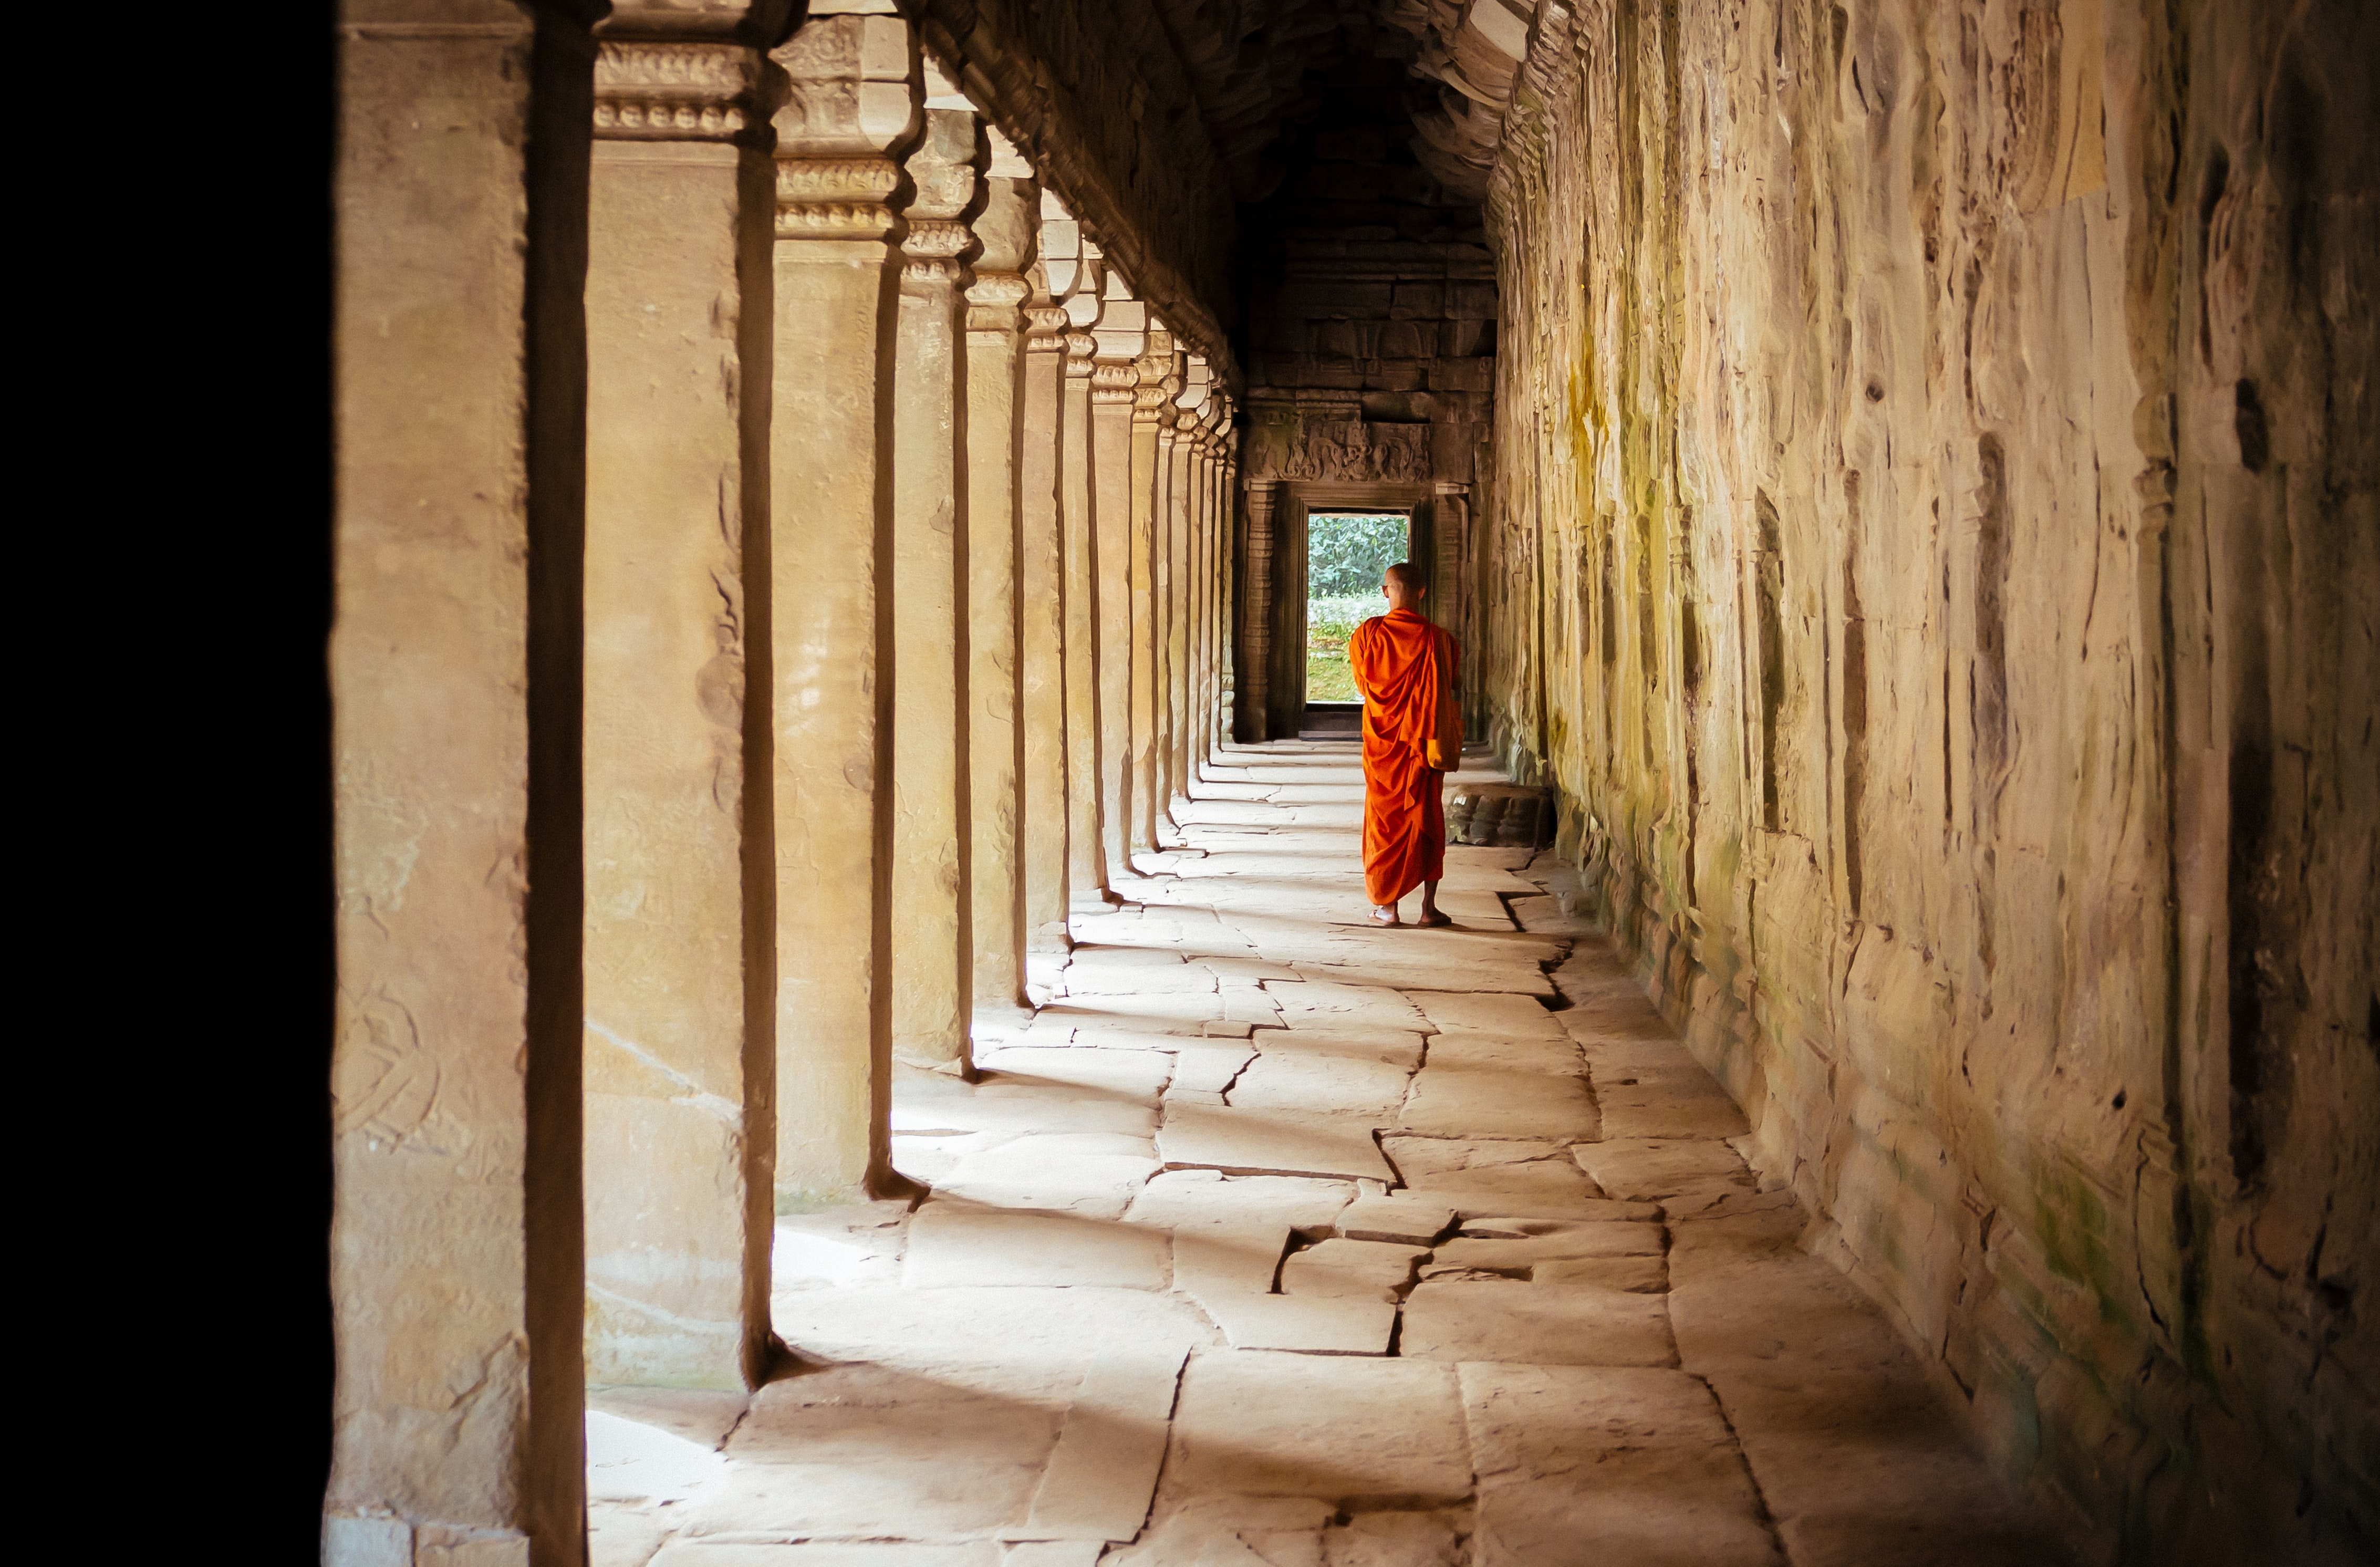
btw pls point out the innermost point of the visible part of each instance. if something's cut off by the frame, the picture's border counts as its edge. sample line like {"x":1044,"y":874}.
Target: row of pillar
{"x":905,"y":532}
{"x":780,"y":575}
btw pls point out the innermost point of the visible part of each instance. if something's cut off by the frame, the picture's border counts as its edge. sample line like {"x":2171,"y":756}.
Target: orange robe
{"x":1399,"y":660}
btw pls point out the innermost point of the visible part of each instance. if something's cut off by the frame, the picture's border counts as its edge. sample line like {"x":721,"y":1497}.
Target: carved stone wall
{"x":1935,"y":551}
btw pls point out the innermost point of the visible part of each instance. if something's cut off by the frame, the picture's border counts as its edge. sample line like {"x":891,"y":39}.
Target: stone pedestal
{"x":932,"y":938}
{"x":853,"y":107}
{"x":680,"y":1043}
{"x":1007,"y":229}
{"x":1042,"y":607}
{"x":457,"y":1417}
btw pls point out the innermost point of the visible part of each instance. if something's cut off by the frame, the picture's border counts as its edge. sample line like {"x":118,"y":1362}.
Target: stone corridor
{"x":849,"y":1025}
{"x":1274,"y":1239}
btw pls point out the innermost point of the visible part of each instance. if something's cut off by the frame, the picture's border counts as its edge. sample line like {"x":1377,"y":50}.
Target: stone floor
{"x":1274,"y":1240}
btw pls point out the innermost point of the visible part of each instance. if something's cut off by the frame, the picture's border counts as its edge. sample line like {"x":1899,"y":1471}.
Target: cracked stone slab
{"x":1612,"y":1014}
{"x":1580,"y":1463}
{"x":1264,"y":1531}
{"x":954,"y":1244}
{"x":829,"y":1553}
{"x":1230,"y":1234}
{"x":1573,"y":1323}
{"x":1263,"y":1142}
{"x":1288,"y":1079}
{"x":1654,"y":1168}
{"x":1018,"y":1343}
{"x":933,"y":1101}
{"x":1856,"y":1456}
{"x":1201,"y":1071}
{"x":1498,"y":1052}
{"x":859,"y":1244}
{"x":1103,"y":1472}
{"x":1090,"y":1175}
{"x":1132,"y":1077}
{"x":1348,"y":1269}
{"x":1141,"y":1012}
{"x":1375,"y":1217}
{"x":1353,"y":1432}
{"x":1548,"y":1242}
{"x":1457,"y":1102}
{"x":1302,"y":1324}
{"x":839,"y":1451}
{"x":1514,"y":1179}
{"x":1497,"y":1013}
{"x":1453,"y":957}
{"x":1630,"y":1110}
{"x":1396,"y":1046}
{"x":1325,"y":1003}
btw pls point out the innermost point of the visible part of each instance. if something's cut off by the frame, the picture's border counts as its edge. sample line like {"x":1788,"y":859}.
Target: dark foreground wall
{"x":1935,"y":552}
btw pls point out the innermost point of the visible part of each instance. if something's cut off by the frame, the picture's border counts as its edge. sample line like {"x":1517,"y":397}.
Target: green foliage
{"x":1346,"y":552}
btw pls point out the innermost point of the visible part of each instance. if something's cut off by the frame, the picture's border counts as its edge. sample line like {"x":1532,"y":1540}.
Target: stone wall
{"x":1934,"y":557}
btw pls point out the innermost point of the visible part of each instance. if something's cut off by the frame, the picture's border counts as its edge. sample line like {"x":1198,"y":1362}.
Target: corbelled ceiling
{"x":1260,"y":69}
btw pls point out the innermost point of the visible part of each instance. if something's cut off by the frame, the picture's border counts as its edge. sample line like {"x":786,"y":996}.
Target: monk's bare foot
{"x":1384,"y":915}
{"x":1431,"y":917}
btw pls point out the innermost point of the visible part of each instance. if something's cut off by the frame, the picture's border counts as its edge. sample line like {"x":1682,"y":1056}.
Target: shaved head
{"x":1402,"y":583}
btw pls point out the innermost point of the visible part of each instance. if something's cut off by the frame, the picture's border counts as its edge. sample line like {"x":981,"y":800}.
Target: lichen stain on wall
{"x":1935,"y":558}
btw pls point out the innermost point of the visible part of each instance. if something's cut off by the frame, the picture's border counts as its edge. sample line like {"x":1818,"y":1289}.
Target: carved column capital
{"x":659,"y":90}
{"x":837,"y":199}
{"x":1157,"y":382}
{"x":1045,"y":329}
{"x":1114,"y":384}
{"x":992,"y":300}
{"x":852,"y":103}
{"x":947,"y":168}
{"x":1080,"y":347}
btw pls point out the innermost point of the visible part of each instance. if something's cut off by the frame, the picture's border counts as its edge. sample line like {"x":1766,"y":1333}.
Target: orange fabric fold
{"x":1400,"y":662}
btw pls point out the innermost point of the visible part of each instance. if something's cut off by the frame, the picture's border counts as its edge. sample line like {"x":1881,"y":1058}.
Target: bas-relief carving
{"x":1353,"y":451}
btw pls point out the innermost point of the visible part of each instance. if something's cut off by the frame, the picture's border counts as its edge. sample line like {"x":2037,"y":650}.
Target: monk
{"x":1402,"y":663}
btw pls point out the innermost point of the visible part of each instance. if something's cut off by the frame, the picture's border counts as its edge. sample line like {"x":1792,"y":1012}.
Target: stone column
{"x":1203,"y":596}
{"x":1181,"y":598}
{"x":1256,"y":616}
{"x":932,"y":934}
{"x":1163,"y":515}
{"x":1231,"y":548}
{"x":680,"y":1047}
{"x":1085,"y":814}
{"x":1123,"y":336}
{"x":1007,"y":229}
{"x":1218,"y":582}
{"x":1155,"y":369}
{"x":1449,"y":589}
{"x":854,"y":106}
{"x":1227,"y":573}
{"x":461,"y":185}
{"x":1043,"y":607}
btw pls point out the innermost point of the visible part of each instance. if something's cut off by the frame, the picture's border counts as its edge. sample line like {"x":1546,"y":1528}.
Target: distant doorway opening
{"x":1345,"y":553}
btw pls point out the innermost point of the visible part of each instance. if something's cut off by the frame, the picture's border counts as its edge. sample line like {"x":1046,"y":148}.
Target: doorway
{"x":1346,"y":551}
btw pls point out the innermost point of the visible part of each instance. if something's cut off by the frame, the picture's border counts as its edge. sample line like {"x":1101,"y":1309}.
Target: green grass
{"x":1328,"y":624}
